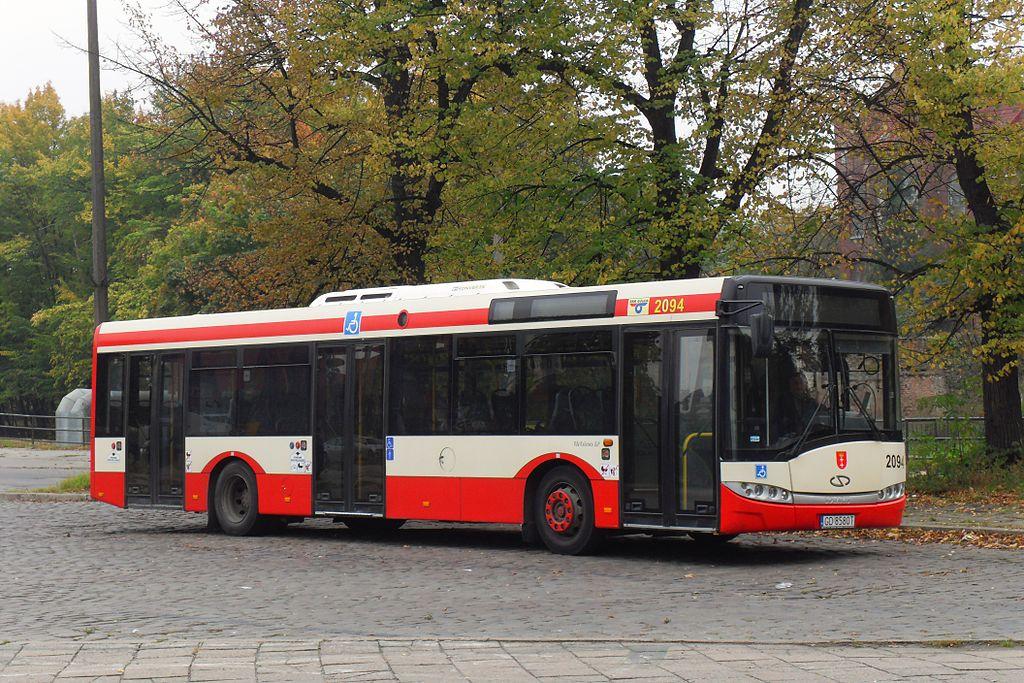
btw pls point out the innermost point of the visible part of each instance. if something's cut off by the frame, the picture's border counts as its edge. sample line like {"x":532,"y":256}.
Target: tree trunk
{"x":1001,"y":400}
{"x":1004,"y":424}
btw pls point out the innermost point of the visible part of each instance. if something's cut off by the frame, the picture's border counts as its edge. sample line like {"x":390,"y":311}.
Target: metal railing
{"x":944,"y":428}
{"x":73,"y":431}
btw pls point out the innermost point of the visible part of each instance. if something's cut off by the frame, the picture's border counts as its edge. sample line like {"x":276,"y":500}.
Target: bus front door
{"x":348,"y":440}
{"x":155,"y":434}
{"x":668,"y":476}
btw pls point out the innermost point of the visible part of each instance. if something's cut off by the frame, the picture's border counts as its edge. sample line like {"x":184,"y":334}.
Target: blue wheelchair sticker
{"x":761,"y":471}
{"x":353,"y":319}
{"x":390,"y":442}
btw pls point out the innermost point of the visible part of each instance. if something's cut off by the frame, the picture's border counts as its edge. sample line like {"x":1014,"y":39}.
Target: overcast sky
{"x":34,"y":37}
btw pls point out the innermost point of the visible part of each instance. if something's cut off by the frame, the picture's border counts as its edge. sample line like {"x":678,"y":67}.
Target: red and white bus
{"x":711,"y":406}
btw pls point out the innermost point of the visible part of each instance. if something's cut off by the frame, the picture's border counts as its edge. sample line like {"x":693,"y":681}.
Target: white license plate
{"x":837,"y":521}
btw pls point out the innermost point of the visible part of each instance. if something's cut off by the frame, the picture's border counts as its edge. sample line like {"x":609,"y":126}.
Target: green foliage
{"x":67,"y":326}
{"x":960,"y":464}
{"x":45,"y":254}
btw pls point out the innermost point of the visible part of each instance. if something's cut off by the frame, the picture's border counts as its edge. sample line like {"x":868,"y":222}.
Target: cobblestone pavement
{"x":427,"y":660}
{"x":24,"y":468}
{"x":90,"y":571}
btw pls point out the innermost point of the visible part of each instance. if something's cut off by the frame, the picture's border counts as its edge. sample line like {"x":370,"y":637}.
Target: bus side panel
{"x":481,"y":499}
{"x":606,"y":503}
{"x":282,"y":465}
{"x":481,"y":478}
{"x":433,"y":498}
{"x":279,"y":494}
{"x":107,"y":487}
{"x":492,"y":500}
{"x":285,"y":494}
{"x":197,"y":484}
{"x":106,"y":481}
{"x":92,"y":419}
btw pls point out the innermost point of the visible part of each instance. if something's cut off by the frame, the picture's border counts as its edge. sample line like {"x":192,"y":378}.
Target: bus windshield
{"x":815,"y":385}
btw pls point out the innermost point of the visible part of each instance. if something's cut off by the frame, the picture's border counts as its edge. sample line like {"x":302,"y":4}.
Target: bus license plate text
{"x":837,"y":521}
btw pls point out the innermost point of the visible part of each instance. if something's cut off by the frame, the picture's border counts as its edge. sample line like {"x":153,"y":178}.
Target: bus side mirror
{"x":762,"y":331}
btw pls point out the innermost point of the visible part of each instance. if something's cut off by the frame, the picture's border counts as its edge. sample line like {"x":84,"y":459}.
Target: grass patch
{"x":41,"y":445}
{"x":79,"y":483}
{"x":959,"y":466}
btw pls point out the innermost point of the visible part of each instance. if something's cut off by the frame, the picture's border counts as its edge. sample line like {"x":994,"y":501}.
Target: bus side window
{"x":110,"y":395}
{"x":570,"y":383}
{"x":273,"y":396}
{"x":420,"y":386}
{"x":211,"y":393}
{"x":486,"y":399}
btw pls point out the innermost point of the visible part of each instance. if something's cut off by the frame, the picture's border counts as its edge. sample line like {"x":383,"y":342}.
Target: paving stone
{"x":354,"y":667}
{"x":352,"y":658}
{"x":147,"y":671}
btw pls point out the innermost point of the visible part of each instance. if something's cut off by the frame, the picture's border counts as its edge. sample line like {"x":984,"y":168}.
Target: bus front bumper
{"x":742,"y":515}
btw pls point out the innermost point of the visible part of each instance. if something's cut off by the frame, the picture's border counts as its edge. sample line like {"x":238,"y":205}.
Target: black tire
{"x":531,"y":536}
{"x":710,"y":540}
{"x":236,"y":500}
{"x":564,"y":512}
{"x":373,"y":526}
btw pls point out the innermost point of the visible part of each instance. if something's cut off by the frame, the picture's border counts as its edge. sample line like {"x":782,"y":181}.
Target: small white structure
{"x":72,"y":417}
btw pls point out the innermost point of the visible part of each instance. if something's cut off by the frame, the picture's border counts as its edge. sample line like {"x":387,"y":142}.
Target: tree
{"x":350,"y":107}
{"x":45,"y":325}
{"x":713,"y":100}
{"x":944,"y":121}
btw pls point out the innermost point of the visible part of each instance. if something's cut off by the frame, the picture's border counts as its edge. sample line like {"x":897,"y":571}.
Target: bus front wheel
{"x":564,"y":512}
{"x":235,"y":499}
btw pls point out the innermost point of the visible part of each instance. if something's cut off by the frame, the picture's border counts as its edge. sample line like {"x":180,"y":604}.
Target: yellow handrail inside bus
{"x":686,"y":447}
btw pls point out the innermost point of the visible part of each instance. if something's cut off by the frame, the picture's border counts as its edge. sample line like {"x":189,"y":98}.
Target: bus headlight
{"x":892,"y":492}
{"x":771,"y":494}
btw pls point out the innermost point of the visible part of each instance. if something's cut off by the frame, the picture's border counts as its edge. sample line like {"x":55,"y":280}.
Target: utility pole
{"x":99,"y":218}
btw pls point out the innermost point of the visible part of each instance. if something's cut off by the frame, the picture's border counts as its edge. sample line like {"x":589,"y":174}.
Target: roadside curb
{"x":965,"y":529}
{"x":239,"y":641}
{"x":29,"y":497}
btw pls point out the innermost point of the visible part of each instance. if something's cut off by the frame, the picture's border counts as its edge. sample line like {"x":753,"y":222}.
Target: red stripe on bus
{"x":369,"y":323}
{"x":692,"y":303}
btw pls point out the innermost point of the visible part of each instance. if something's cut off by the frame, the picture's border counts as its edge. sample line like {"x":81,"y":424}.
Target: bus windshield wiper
{"x":864,"y":413}
{"x":810,"y":421}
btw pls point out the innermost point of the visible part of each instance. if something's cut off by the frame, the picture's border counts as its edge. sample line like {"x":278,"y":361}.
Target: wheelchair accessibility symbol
{"x":353,"y":319}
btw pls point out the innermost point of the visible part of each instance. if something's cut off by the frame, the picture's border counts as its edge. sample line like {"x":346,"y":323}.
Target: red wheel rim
{"x":563,"y":510}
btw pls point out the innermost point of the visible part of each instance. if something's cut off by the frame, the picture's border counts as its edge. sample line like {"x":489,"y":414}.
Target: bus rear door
{"x":155,"y":434}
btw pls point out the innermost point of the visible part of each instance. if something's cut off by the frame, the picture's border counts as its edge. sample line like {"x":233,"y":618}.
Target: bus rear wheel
{"x":564,"y":512}
{"x":235,"y":499}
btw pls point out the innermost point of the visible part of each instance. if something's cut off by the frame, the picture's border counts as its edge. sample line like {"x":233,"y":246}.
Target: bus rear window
{"x":110,"y":395}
